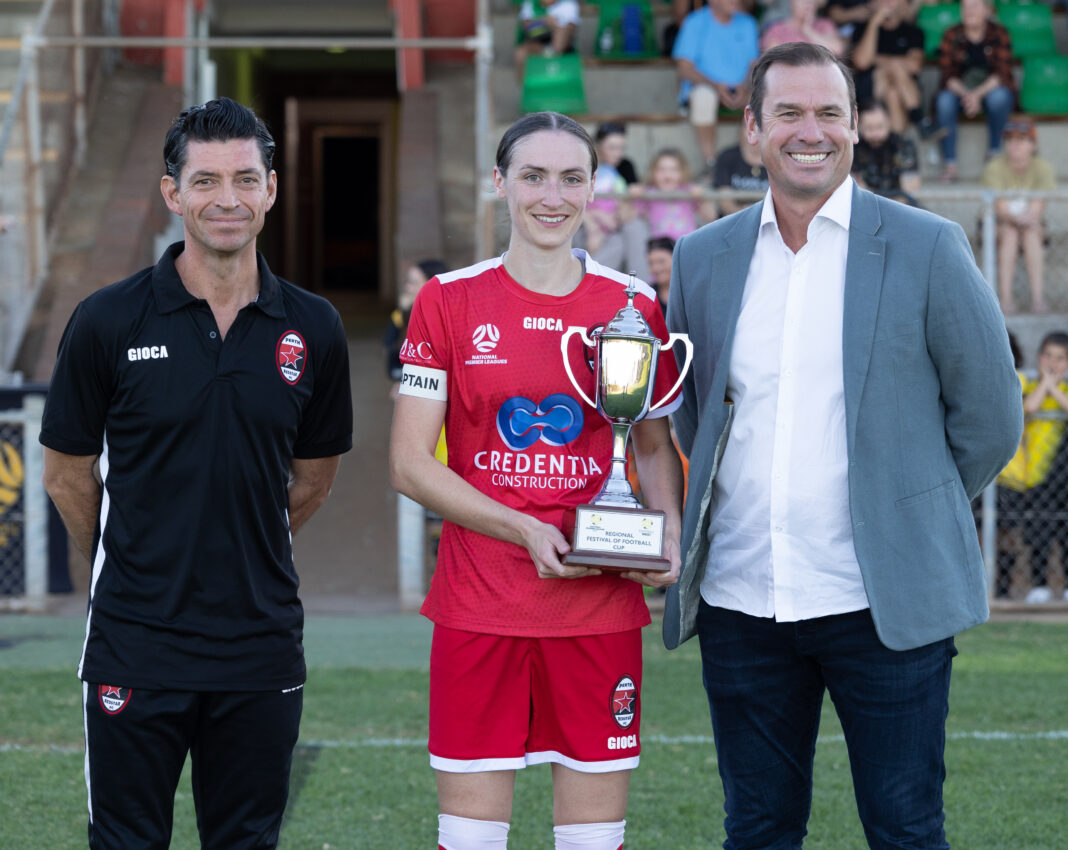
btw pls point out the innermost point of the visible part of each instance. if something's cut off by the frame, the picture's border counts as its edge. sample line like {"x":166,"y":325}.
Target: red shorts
{"x":501,"y":703}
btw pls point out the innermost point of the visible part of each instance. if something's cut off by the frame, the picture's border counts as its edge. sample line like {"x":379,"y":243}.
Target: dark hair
{"x":609,"y":128}
{"x":218,"y":120}
{"x":1058,"y":338}
{"x":870,"y":104}
{"x":430,"y":268}
{"x":660,"y":243}
{"x":535,"y":123}
{"x":796,"y":54}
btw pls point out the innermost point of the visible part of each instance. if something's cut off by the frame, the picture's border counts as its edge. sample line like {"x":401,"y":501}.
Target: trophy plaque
{"x":615,"y":532}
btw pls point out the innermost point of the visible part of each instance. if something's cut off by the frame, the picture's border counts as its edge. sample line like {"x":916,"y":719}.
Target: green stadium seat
{"x":934,"y":21}
{"x":1044,"y":89}
{"x":553,"y":83}
{"x":626,"y":29}
{"x":1030,"y":27}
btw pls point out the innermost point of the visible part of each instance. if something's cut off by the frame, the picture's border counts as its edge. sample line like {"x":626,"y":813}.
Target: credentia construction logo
{"x":556,"y":420}
{"x":113,"y":699}
{"x":291,"y":356}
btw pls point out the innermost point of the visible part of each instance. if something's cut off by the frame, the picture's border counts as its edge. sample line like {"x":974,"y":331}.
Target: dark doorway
{"x":348,"y":207}
{"x":339,"y":198}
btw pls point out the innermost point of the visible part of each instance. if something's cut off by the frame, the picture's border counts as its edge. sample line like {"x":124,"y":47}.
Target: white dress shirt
{"x":781,"y":539}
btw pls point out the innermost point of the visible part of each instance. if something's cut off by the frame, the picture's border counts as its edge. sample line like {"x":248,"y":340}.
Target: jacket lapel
{"x":863,"y":287}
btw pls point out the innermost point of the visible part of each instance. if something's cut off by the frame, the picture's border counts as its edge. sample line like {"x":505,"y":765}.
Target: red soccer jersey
{"x":517,"y":431}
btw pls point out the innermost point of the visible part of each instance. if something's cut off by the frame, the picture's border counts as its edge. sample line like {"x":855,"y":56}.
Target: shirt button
{"x":212,"y":334}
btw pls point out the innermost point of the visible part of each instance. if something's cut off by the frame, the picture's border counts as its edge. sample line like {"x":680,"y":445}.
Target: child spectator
{"x":1013,"y":482}
{"x":1020,"y":225}
{"x":739,"y":167}
{"x":883,"y":161}
{"x":713,"y":54}
{"x":611,"y":229}
{"x":803,"y":25}
{"x":547,"y":28}
{"x":975,"y":58}
{"x":415,"y":277}
{"x":1047,"y":462}
{"x":659,"y":252}
{"x":669,"y":172}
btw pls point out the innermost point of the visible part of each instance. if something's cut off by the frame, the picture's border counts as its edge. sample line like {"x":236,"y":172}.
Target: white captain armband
{"x":423,"y":382}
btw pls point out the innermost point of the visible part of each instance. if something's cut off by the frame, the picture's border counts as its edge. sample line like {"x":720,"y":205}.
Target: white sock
{"x":456,"y":833}
{"x":590,"y":836}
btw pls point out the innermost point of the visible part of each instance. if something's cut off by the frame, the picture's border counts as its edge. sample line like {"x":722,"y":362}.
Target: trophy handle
{"x":685,"y":340}
{"x":571,"y":331}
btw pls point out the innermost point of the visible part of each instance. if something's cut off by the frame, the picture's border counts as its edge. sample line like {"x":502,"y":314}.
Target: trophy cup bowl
{"x":615,"y":531}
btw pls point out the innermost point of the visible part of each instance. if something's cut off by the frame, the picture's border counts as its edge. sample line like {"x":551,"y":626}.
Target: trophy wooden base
{"x":620,"y":539}
{"x":616,"y":563}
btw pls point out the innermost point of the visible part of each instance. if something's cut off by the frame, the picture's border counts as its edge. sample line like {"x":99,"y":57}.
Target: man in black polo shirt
{"x":195,"y":421}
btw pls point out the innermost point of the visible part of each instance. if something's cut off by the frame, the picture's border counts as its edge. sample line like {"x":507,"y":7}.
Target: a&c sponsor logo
{"x":624,"y":695}
{"x":556,"y":420}
{"x":113,"y":699}
{"x":417,"y":350}
{"x":291,"y":356}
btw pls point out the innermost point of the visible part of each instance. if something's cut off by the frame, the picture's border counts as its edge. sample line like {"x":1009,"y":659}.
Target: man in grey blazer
{"x":852,"y":390}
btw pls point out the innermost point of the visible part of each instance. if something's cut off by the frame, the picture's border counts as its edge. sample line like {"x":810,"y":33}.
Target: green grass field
{"x":361,"y":778}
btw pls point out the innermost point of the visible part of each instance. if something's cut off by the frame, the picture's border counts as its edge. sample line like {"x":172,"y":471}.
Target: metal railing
{"x":41,"y":139}
{"x":55,"y":72}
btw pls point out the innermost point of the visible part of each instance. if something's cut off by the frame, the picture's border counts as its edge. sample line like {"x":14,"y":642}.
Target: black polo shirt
{"x":193,"y":584}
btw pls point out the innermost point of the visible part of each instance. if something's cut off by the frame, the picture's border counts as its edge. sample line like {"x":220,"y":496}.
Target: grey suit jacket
{"x":932,"y":401}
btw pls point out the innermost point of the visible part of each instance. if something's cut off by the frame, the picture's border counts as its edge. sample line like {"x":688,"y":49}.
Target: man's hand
{"x":651,"y":578}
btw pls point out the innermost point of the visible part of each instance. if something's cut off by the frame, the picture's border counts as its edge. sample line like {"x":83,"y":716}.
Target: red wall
{"x":449,"y":19}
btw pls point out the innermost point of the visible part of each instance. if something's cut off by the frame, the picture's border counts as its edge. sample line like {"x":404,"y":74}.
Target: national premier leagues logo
{"x":291,"y":356}
{"x":556,"y":420}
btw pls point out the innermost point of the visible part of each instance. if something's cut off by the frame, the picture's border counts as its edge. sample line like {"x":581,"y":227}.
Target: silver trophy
{"x":615,"y":531}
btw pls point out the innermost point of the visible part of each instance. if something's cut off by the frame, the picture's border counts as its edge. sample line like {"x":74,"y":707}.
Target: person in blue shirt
{"x":715,"y":49}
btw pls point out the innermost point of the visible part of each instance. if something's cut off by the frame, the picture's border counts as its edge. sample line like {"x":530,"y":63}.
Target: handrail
{"x":11,"y":114}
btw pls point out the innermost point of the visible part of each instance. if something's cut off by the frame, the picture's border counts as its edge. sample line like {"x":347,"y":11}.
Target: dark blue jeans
{"x":765,"y":682}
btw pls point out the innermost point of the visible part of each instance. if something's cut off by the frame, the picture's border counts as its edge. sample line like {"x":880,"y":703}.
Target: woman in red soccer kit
{"x":532,"y":660}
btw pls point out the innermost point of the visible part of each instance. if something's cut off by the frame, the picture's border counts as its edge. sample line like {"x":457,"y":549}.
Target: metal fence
{"x":23,"y":509}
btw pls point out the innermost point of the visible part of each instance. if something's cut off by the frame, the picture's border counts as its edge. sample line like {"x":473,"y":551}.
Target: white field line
{"x":402,"y":743}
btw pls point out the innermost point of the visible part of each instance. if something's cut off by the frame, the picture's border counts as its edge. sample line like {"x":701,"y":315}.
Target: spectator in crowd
{"x":546,"y":28}
{"x":611,"y":231}
{"x":887,"y":60}
{"x":415,"y":277}
{"x":1013,"y":483}
{"x":658,"y":255}
{"x":611,"y":139}
{"x":669,"y":172}
{"x":803,"y":24}
{"x":884,"y":162}
{"x":1020,"y":224}
{"x":715,"y":49}
{"x":849,"y":15}
{"x":975,"y":58}
{"x":1048,"y":497}
{"x":739,"y":167}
